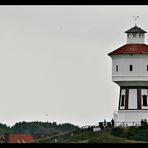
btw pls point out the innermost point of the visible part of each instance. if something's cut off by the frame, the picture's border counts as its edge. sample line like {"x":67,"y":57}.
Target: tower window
{"x":131,"y":67}
{"x":130,"y":35}
{"x":116,"y":67}
{"x":137,"y":35}
{"x":122,"y":100}
{"x":147,"y":67}
{"x":134,"y":35}
{"x":141,"y":35}
{"x":144,"y":100}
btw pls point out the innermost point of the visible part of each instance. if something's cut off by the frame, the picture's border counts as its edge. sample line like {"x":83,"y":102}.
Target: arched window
{"x":141,"y":35}
{"x":134,"y":35}
{"x":144,"y":100}
{"x":122,"y":100}
{"x":130,"y":35}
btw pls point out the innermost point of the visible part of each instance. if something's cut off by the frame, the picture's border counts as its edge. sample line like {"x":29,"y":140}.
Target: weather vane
{"x":135,"y":17}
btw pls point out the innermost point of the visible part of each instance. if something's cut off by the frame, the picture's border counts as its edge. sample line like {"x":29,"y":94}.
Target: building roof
{"x":135,"y":29}
{"x":18,"y":138}
{"x":131,"y":49}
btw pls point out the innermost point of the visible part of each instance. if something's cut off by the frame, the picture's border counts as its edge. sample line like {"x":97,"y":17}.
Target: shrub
{"x":117,"y":131}
{"x":131,"y":133}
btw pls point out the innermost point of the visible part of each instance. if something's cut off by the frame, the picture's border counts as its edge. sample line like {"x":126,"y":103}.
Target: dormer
{"x":135,"y":35}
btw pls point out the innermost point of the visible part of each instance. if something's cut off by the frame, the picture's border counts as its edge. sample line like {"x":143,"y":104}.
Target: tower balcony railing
{"x":130,"y":77}
{"x":126,"y":124}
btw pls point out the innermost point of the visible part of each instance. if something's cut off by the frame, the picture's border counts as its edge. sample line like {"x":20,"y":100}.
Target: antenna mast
{"x":135,"y":17}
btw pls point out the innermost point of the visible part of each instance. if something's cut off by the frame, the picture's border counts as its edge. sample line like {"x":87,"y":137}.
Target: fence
{"x":109,"y":125}
{"x":126,"y":124}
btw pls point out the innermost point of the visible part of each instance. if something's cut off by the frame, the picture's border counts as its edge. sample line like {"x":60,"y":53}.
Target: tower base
{"x":129,"y":117}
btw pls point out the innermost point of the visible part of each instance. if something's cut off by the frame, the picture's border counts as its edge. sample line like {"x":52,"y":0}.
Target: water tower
{"x":130,"y":72}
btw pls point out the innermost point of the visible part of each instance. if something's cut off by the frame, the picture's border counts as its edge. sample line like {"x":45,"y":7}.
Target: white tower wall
{"x":132,"y":104}
{"x":130,"y":117}
{"x":139,"y":72}
{"x":124,"y":77}
{"x":136,"y":40}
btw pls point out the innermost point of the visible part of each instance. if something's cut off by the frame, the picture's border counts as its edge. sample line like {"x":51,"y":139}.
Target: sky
{"x":54,"y":63}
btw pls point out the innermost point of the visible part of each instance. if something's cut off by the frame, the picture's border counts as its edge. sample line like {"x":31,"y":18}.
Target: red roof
{"x":131,"y":49}
{"x":18,"y":138}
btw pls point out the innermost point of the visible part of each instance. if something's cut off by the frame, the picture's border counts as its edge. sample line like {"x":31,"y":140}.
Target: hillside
{"x":132,"y":133}
{"x":103,"y":136}
{"x":37,"y":127}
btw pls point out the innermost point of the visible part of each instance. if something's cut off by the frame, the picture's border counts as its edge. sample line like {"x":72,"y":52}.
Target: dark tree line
{"x":37,"y":127}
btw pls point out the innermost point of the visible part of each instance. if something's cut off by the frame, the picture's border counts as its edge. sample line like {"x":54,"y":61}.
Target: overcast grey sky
{"x":53,"y":60}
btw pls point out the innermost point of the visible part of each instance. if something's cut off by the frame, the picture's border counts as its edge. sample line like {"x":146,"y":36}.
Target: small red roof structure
{"x":18,"y":138}
{"x":131,"y":49}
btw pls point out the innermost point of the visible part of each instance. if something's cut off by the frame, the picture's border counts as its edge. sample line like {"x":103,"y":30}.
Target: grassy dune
{"x":103,"y":136}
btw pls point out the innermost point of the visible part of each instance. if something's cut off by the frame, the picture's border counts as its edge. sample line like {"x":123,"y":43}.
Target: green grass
{"x":103,"y":136}
{"x":132,"y":133}
{"x":98,"y":137}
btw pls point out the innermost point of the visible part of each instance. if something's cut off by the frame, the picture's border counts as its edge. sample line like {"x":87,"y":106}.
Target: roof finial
{"x":135,"y":17}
